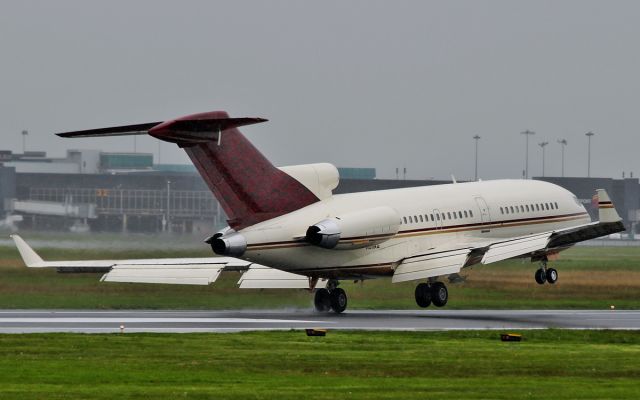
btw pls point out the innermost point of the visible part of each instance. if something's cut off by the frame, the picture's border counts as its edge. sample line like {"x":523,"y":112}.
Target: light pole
{"x":563,"y":143}
{"x":476,"y":138}
{"x":542,"y":146}
{"x":24,"y":141}
{"x":169,"y":206}
{"x":588,"y":135}
{"x":526,"y":133}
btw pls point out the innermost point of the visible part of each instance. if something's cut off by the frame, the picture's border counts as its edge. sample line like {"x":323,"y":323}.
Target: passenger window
{"x":556,"y":205}
{"x":410,"y":219}
{"x":511,"y":207}
{"x":466,"y":215}
{"x":460,"y":214}
{"x":537,"y":208}
{"x":527,"y":207}
{"x":438,"y":217}
{"x":431,"y":215}
{"x":454,"y":215}
{"x":405,"y":219}
{"x":522,"y":208}
{"x":415,"y":218}
{"x":421,"y":220}
{"x":501,"y":210}
{"x":546,"y":205}
{"x":471,"y":213}
{"x":448,"y":215}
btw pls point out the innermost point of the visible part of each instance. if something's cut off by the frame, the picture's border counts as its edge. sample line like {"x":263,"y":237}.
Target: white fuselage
{"x":438,"y":217}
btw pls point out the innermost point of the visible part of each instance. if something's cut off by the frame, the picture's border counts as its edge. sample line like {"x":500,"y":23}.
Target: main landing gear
{"x":330,"y":299}
{"x":435,"y":293}
{"x":544,"y":274}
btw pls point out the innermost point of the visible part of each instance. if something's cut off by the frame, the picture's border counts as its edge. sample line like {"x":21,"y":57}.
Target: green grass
{"x":590,"y":277}
{"x":549,"y":364}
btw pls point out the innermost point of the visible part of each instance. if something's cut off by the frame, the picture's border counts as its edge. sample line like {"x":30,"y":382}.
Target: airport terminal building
{"x":90,"y":190}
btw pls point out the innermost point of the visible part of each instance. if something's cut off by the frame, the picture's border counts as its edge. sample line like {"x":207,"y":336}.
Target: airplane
{"x":288,"y":230}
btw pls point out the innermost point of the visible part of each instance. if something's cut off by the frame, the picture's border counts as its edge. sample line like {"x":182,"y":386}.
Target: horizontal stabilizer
{"x":125,"y":130}
{"x":185,"y":131}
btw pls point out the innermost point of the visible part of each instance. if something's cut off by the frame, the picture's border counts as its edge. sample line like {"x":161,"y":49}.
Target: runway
{"x":89,"y":321}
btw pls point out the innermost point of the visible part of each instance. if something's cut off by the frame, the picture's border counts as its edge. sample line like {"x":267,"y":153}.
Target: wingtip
{"x":29,"y":256}
{"x":606,"y":209}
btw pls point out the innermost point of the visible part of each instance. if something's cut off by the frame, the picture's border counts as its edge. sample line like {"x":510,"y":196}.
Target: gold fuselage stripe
{"x":436,"y":231}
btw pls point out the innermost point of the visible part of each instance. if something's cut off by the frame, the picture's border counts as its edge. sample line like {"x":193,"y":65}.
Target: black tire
{"x":322,"y":300}
{"x":552,"y":275}
{"x":338,"y":300}
{"x":439,"y":294}
{"x":423,"y":295}
{"x":541,"y":276}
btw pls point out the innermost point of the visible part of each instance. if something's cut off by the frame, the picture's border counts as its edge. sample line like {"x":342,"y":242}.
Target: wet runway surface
{"x":89,"y":321}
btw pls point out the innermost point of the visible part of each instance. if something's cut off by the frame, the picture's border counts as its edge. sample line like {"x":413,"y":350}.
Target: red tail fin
{"x":249,"y":188}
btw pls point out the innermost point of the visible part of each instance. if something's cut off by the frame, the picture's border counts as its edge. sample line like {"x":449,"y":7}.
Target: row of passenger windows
{"x":528,"y":208}
{"x":411,"y":219}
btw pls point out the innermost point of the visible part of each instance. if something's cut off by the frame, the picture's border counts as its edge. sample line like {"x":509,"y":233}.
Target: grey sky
{"x":355,"y":83}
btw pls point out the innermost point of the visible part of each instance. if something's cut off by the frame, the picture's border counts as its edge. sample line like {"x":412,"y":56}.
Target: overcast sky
{"x":380,"y":84}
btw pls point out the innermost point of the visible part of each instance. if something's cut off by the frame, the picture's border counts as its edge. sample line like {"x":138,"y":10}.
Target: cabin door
{"x":484,"y":209}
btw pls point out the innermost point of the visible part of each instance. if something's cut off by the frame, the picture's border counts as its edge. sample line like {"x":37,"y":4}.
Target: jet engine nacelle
{"x":228,"y":242}
{"x":355,"y":230}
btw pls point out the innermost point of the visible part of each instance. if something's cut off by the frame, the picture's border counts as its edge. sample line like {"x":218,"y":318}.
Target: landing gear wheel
{"x":338,"y":300}
{"x":322,"y":300}
{"x":439,"y":294}
{"x":541,"y":276}
{"x":423,"y":295}
{"x":552,"y":275}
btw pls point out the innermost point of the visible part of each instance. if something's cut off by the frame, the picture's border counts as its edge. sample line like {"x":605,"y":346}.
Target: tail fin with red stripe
{"x":249,"y":188}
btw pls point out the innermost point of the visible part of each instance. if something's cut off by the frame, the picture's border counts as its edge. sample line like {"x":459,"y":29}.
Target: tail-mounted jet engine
{"x":355,"y":230}
{"x":228,"y":242}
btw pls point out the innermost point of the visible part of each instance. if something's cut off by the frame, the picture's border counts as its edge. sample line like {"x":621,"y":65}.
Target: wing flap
{"x":514,"y":248}
{"x":203,"y":274}
{"x":430,"y":265}
{"x":261,"y":277}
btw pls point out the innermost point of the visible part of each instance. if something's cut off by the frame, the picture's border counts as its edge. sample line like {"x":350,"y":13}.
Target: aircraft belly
{"x":311,"y":258}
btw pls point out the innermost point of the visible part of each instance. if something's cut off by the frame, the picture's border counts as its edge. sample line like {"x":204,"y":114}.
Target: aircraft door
{"x":485,"y":216}
{"x":437,"y":220}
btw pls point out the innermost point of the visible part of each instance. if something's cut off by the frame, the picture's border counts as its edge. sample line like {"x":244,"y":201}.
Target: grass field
{"x":590,"y":277}
{"x":455,"y":365}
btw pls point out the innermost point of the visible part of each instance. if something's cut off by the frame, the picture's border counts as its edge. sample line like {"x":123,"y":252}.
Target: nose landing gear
{"x":435,"y":293}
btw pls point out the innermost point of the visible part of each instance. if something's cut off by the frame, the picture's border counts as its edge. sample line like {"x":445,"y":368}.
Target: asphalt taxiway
{"x":89,"y":321}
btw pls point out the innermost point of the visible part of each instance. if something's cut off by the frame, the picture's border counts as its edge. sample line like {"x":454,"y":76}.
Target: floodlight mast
{"x":563,"y":143}
{"x":526,"y":133}
{"x":542,"y":146}
{"x":476,"y":138}
{"x":588,"y":135}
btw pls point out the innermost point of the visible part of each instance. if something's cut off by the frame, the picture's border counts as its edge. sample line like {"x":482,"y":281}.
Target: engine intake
{"x":325,"y":233}
{"x":228,"y":242}
{"x":355,"y":230}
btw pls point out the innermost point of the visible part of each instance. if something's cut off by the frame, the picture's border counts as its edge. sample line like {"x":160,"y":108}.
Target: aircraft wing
{"x":450,"y":261}
{"x":430,"y":265}
{"x":540,"y":244}
{"x":182,"y":271}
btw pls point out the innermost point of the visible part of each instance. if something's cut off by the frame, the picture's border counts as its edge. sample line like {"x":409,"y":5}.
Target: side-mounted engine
{"x":228,"y":242}
{"x":355,"y":230}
